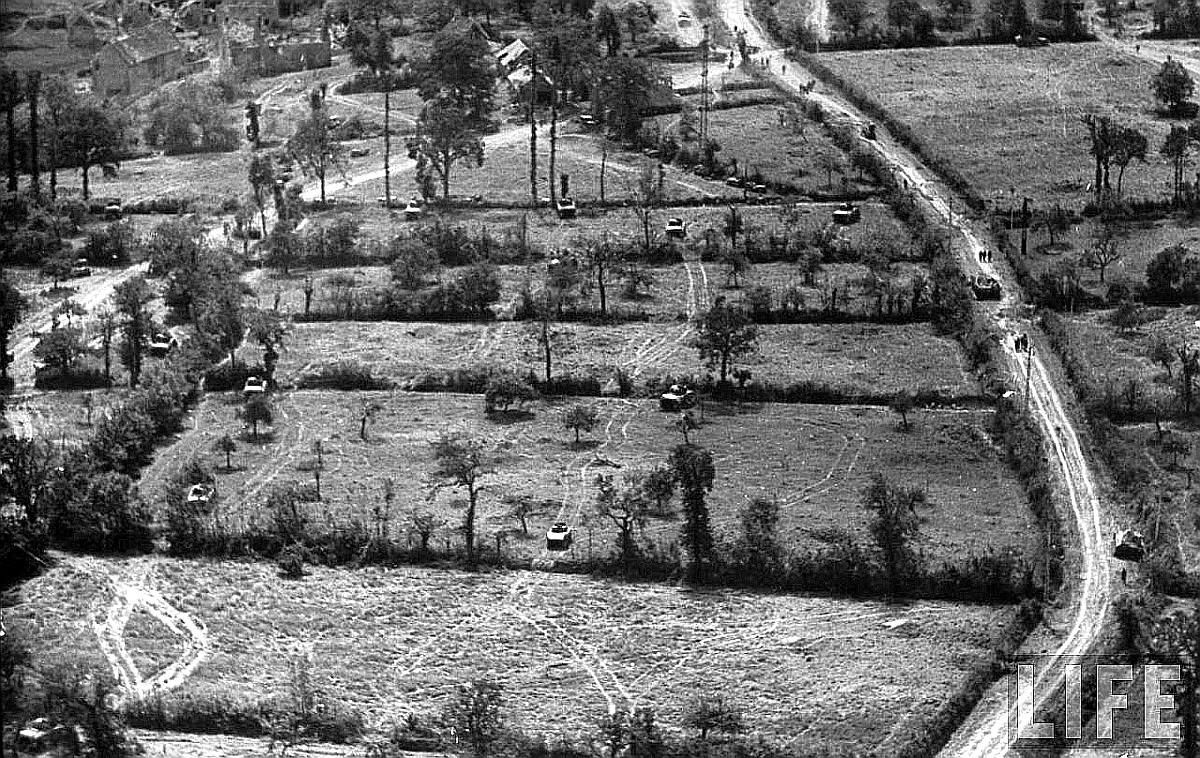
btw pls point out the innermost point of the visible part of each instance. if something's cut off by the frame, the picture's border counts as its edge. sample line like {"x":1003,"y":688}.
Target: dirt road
{"x":985,"y":734}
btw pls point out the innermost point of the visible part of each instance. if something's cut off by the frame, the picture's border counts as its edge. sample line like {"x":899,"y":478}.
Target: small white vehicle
{"x":565,"y":207}
{"x":162,"y":343}
{"x":1130,"y":545}
{"x":678,"y":398}
{"x":846,"y":214}
{"x":81,"y":268}
{"x":413,"y":210}
{"x":254,"y":386}
{"x":201,"y":494}
{"x":559,"y":536}
{"x":359,"y":152}
{"x":675,"y":227}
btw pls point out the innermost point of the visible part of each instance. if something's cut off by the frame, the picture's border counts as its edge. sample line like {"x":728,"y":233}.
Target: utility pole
{"x":1028,"y":369}
{"x":533,"y":194}
{"x":557,"y":54}
{"x":704,"y":89}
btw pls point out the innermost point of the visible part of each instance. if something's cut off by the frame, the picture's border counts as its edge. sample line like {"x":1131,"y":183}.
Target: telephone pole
{"x":704,"y":89}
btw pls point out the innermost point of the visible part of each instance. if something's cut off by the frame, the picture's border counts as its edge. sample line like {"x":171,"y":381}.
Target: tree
{"x":1101,"y":130}
{"x":639,"y":16}
{"x":445,"y":136}
{"x":476,"y":718}
{"x":1128,"y":316}
{"x":59,"y":99}
{"x":627,"y":509}
{"x":902,"y":404}
{"x":625,"y":87}
{"x":458,"y":73}
{"x":831,"y":162}
{"x":1175,"y":148}
{"x":902,"y":13}
{"x":284,"y":247}
{"x":724,"y":333}
{"x":33,"y":83}
{"x":1172,"y":85}
{"x":256,"y":410}
{"x":504,"y":389}
{"x":1189,"y":366}
{"x":758,"y":548}
{"x":694,"y":472}
{"x":713,"y":713}
{"x":477,"y":289}
{"x":131,"y":298}
{"x":647,"y":196}
{"x":601,"y":257}
{"x":25,"y":465}
{"x":956,"y":11}
{"x":659,"y":486}
{"x":60,"y":348}
{"x":1161,"y":353}
{"x":221,"y":319}
{"x":1103,"y":252}
{"x":262,"y":181}
{"x":227,"y":446}
{"x":1176,"y":446}
{"x":188,"y":119}
{"x":579,"y":418}
{"x":461,"y":463}
{"x":269,"y":330}
{"x":106,"y":328}
{"x":314,"y":148}
{"x":12,"y":306}
{"x":895,"y":526}
{"x":11,"y":95}
{"x":608,"y":29}
{"x":92,"y":135}
{"x":1128,"y":144}
{"x":853,"y":13}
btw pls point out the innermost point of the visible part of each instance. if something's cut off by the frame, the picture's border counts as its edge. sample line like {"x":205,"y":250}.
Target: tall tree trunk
{"x":533,"y":193}
{"x":86,"y":167}
{"x":387,"y":143}
{"x":553,"y":140}
{"x":35,"y":181}
{"x":603,"y":165}
{"x":54,"y":164}
{"x":12,"y":145}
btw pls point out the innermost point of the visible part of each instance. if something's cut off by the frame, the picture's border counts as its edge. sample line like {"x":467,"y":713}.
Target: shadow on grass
{"x":510,"y":416}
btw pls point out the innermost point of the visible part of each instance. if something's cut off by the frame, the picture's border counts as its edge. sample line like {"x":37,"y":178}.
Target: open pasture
{"x":1137,"y":241}
{"x":853,"y":359}
{"x":504,"y":175}
{"x":547,"y":232}
{"x":815,"y":460}
{"x":565,"y":649}
{"x":1008,"y":117}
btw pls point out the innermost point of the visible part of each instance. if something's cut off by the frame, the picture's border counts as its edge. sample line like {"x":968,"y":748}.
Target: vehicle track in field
{"x":109,"y":626}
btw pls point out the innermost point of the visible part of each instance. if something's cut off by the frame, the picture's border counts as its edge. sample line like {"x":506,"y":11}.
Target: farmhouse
{"x":513,"y":55}
{"x":135,"y":62}
{"x":248,"y":49}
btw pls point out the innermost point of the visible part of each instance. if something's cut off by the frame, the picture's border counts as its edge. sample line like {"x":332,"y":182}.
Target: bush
{"x":291,"y":561}
{"x":227,"y":376}
{"x":342,"y":375}
{"x":506,"y":389}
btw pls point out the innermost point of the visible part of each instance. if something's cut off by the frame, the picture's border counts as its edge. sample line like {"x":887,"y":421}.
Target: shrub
{"x":506,"y":389}
{"x":291,"y":561}
{"x":342,"y":375}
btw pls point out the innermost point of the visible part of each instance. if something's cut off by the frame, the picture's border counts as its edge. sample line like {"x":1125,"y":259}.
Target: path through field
{"x":109,"y":626}
{"x":985,"y":734}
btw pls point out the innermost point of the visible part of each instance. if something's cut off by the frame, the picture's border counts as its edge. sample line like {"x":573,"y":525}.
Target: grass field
{"x":1008,"y":117}
{"x":1138,"y":242}
{"x":852,"y":358}
{"x":504,"y":176}
{"x":814,"y":459}
{"x":1119,"y":358}
{"x":547,"y":231}
{"x":753,"y":136}
{"x":564,"y":648}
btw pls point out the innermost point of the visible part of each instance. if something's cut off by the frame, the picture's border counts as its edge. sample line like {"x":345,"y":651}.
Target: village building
{"x":138,"y":61}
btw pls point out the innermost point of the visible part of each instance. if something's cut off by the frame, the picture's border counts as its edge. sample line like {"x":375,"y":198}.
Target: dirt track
{"x":986,"y":732}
